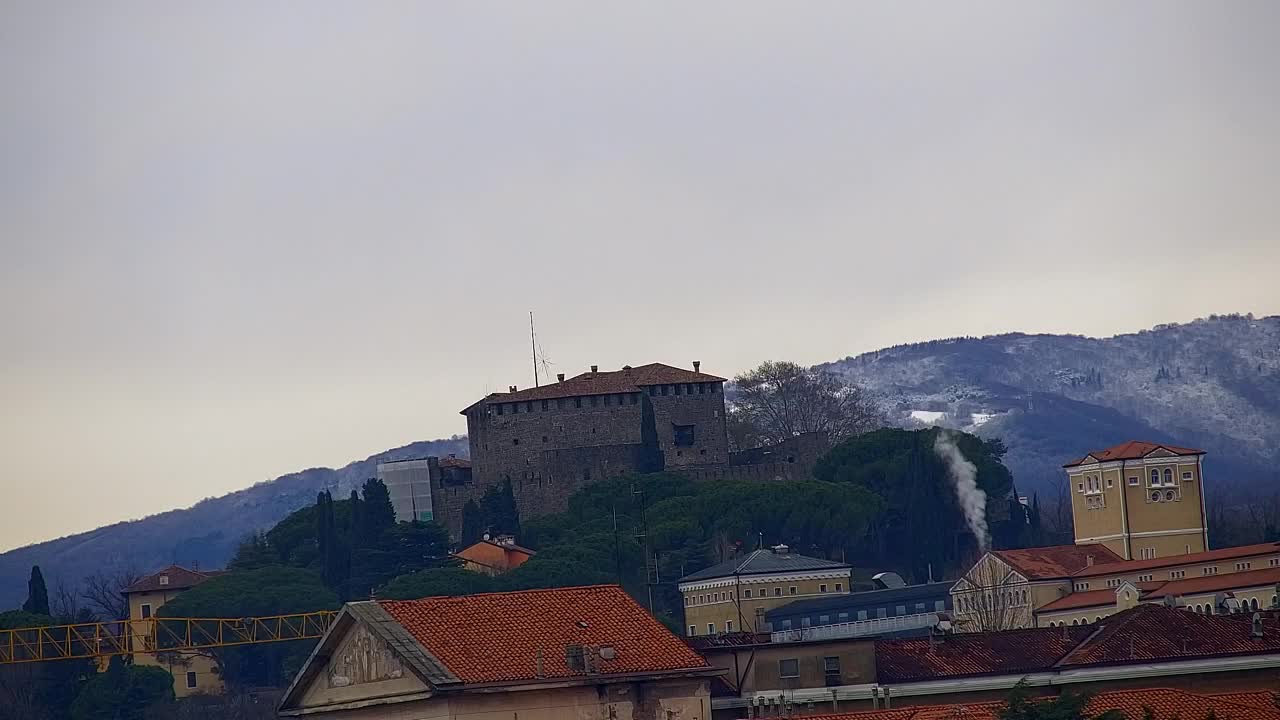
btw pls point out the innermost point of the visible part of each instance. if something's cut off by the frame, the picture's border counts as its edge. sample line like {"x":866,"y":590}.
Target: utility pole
{"x":650,"y":562}
{"x":533,"y":346}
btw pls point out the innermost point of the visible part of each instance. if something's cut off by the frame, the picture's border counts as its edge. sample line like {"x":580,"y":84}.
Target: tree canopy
{"x":779,"y":400}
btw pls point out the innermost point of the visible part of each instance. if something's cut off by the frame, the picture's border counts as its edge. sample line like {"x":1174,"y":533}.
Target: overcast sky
{"x":241,"y":239}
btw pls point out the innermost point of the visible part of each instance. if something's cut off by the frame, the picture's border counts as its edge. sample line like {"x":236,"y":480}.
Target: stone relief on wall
{"x":363,"y":658}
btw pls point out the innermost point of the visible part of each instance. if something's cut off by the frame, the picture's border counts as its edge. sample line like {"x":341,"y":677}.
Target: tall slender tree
{"x":37,"y":593}
{"x":472,"y":524}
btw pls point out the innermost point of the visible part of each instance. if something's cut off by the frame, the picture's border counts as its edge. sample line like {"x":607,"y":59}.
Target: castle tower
{"x":1142,"y":500}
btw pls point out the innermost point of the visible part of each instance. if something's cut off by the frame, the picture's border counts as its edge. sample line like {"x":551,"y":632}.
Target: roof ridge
{"x":529,"y":591}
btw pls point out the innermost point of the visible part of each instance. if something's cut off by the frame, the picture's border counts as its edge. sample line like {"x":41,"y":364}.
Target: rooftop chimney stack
{"x":559,"y":377}
{"x":511,"y":388}
{"x":697,"y":365}
{"x":1088,"y":561}
{"x":595,"y":368}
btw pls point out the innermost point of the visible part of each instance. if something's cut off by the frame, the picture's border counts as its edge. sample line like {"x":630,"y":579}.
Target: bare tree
{"x":991,"y":598}
{"x":103,"y":592}
{"x":780,"y":400}
{"x":64,"y":601}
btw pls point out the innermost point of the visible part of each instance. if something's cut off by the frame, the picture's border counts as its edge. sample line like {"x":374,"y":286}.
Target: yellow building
{"x":1142,"y":500}
{"x":734,"y":595}
{"x":193,"y":673}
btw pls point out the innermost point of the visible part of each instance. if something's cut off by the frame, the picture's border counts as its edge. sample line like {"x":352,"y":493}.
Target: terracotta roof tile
{"x":1087,"y":598}
{"x":179,"y":578}
{"x":1155,"y":632}
{"x":1218,"y":583}
{"x":607,"y":382}
{"x":1132,"y":450}
{"x":1125,"y":566}
{"x":992,"y":653}
{"x":1258,"y":698}
{"x":495,"y":637}
{"x":1165,"y":704}
{"x":1056,"y":561}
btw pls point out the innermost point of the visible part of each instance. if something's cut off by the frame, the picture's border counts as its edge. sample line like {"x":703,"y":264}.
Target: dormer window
{"x":164,"y":579}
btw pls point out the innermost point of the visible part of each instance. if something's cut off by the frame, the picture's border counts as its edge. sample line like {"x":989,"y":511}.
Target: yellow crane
{"x":152,"y":635}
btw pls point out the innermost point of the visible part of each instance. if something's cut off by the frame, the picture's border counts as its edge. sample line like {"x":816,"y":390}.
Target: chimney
{"x":697,"y":364}
{"x":1088,"y":561}
{"x":595,"y":368}
{"x":1256,"y":631}
{"x":511,"y":388}
{"x":538,"y":670}
{"x":559,"y":377}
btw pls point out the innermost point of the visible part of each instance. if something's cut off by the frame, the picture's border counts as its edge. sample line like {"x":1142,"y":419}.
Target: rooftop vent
{"x":697,"y":365}
{"x":780,"y":549}
{"x":559,"y":377}
{"x":887,"y":580}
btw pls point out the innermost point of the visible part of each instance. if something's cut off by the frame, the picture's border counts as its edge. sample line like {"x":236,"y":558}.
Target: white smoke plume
{"x":963,"y":474}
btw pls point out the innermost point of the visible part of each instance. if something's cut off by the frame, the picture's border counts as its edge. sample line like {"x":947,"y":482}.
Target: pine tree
{"x":37,"y":594}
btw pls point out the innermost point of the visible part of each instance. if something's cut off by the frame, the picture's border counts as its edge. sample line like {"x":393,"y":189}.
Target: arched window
{"x":1098,"y":619}
{"x":1253,"y":604}
{"x":1168,"y":476}
{"x":1075,"y":622}
{"x":1024,"y":597}
{"x":1275,"y":600}
{"x":1155,"y":477}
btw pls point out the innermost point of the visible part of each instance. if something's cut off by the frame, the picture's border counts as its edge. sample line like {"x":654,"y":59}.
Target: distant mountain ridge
{"x":206,"y":533}
{"x":1212,"y":383}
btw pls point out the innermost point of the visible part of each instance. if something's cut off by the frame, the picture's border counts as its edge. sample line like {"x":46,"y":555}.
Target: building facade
{"x":193,"y":673}
{"x":1142,"y":500}
{"x":735,"y":595}
{"x":409,"y":485}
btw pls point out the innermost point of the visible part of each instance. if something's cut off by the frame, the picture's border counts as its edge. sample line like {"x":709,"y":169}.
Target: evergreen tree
{"x":376,"y":512}
{"x":37,"y":594}
{"x":472,"y":524}
{"x":498,"y":506}
{"x":357,"y":519}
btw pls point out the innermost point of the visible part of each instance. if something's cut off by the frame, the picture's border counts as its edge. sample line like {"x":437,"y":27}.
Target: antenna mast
{"x":533,"y":345}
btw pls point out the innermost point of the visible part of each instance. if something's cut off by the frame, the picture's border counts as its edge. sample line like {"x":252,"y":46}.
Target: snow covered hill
{"x":1212,"y":383}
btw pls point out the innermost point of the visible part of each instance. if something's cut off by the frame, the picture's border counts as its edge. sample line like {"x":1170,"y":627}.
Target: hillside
{"x":1212,"y":383}
{"x":206,"y":533}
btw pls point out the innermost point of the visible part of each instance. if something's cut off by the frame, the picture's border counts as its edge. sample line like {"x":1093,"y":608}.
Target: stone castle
{"x":552,"y":440}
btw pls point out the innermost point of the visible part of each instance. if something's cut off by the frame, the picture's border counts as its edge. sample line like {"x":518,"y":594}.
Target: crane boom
{"x":125,"y":637}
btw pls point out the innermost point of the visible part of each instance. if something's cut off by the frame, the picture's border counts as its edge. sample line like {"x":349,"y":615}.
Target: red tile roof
{"x":496,"y":637}
{"x":1010,"y":652}
{"x":627,"y":380}
{"x":1127,"y":566}
{"x":1164,"y":703}
{"x":1154,"y":632}
{"x":179,"y":578}
{"x":1132,"y":450}
{"x":1056,"y":561}
{"x":448,"y":462}
{"x":1216,"y":583}
{"x":1088,"y":598}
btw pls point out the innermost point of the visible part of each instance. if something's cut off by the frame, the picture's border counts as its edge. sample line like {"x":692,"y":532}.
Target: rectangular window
{"x":1177,"y":574}
{"x":1080,"y":487}
{"x":693,"y":630}
{"x":679,"y":388}
{"x":1186,"y":476}
{"x":747,"y":593}
{"x":577,"y":402}
{"x":683,"y":435}
{"x":146,"y":610}
{"x":728,"y":626}
{"x":777,"y":592}
{"x":1210,"y":570}
{"x":702,"y":388}
{"x":499,"y":406}
{"x":900,"y":610}
{"x":831,"y":665}
{"x":1144,"y":578}
{"x":804,"y":622}
{"x":919,"y":607}
{"x":1111,"y":482}
{"x":862,"y":614}
{"x":822,"y":588}
{"x":792,"y":590}
{"x":939,"y":605}
{"x":191,"y":680}
{"x":839,"y":588}
{"x":843,"y":617}
{"x":546,"y":404}
{"x":1274,"y":562}
{"x":824,"y":619}
{"x":528,"y":406}
{"x":666,"y":389}
{"x":1243,"y":565}
{"x":515,"y":441}
{"x":789,"y":668}
{"x":882,"y":612}
{"x":711,"y":628}
{"x":1133,"y":480}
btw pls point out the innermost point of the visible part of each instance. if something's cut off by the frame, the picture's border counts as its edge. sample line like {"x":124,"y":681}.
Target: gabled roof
{"x":498,"y":637}
{"x":1126,"y":566}
{"x":765,"y":562}
{"x":1055,"y":561}
{"x":177,"y":578}
{"x":1088,"y":598}
{"x":468,"y":553}
{"x":626,"y":380}
{"x":1132,"y":450}
{"x":1011,"y":652}
{"x":1163,"y":703}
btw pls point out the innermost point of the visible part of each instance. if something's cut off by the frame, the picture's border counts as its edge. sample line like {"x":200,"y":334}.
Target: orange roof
{"x":1164,"y":703}
{"x":1132,"y":450}
{"x":1088,"y":598}
{"x":627,"y":380}
{"x":1055,"y":561}
{"x":1217,"y":583}
{"x":497,"y":637}
{"x":1126,"y":566}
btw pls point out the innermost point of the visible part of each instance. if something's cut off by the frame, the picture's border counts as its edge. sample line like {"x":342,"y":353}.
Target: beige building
{"x":734,"y":595}
{"x":1142,"y":500}
{"x":564,"y":653}
{"x":192,"y":672}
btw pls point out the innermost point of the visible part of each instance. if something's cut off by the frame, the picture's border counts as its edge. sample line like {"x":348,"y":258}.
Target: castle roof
{"x":765,"y":562}
{"x":626,"y":380}
{"x":1132,"y":450}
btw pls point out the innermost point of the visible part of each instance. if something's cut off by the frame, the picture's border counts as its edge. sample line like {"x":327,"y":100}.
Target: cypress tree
{"x":37,"y":594}
{"x":472,"y":524}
